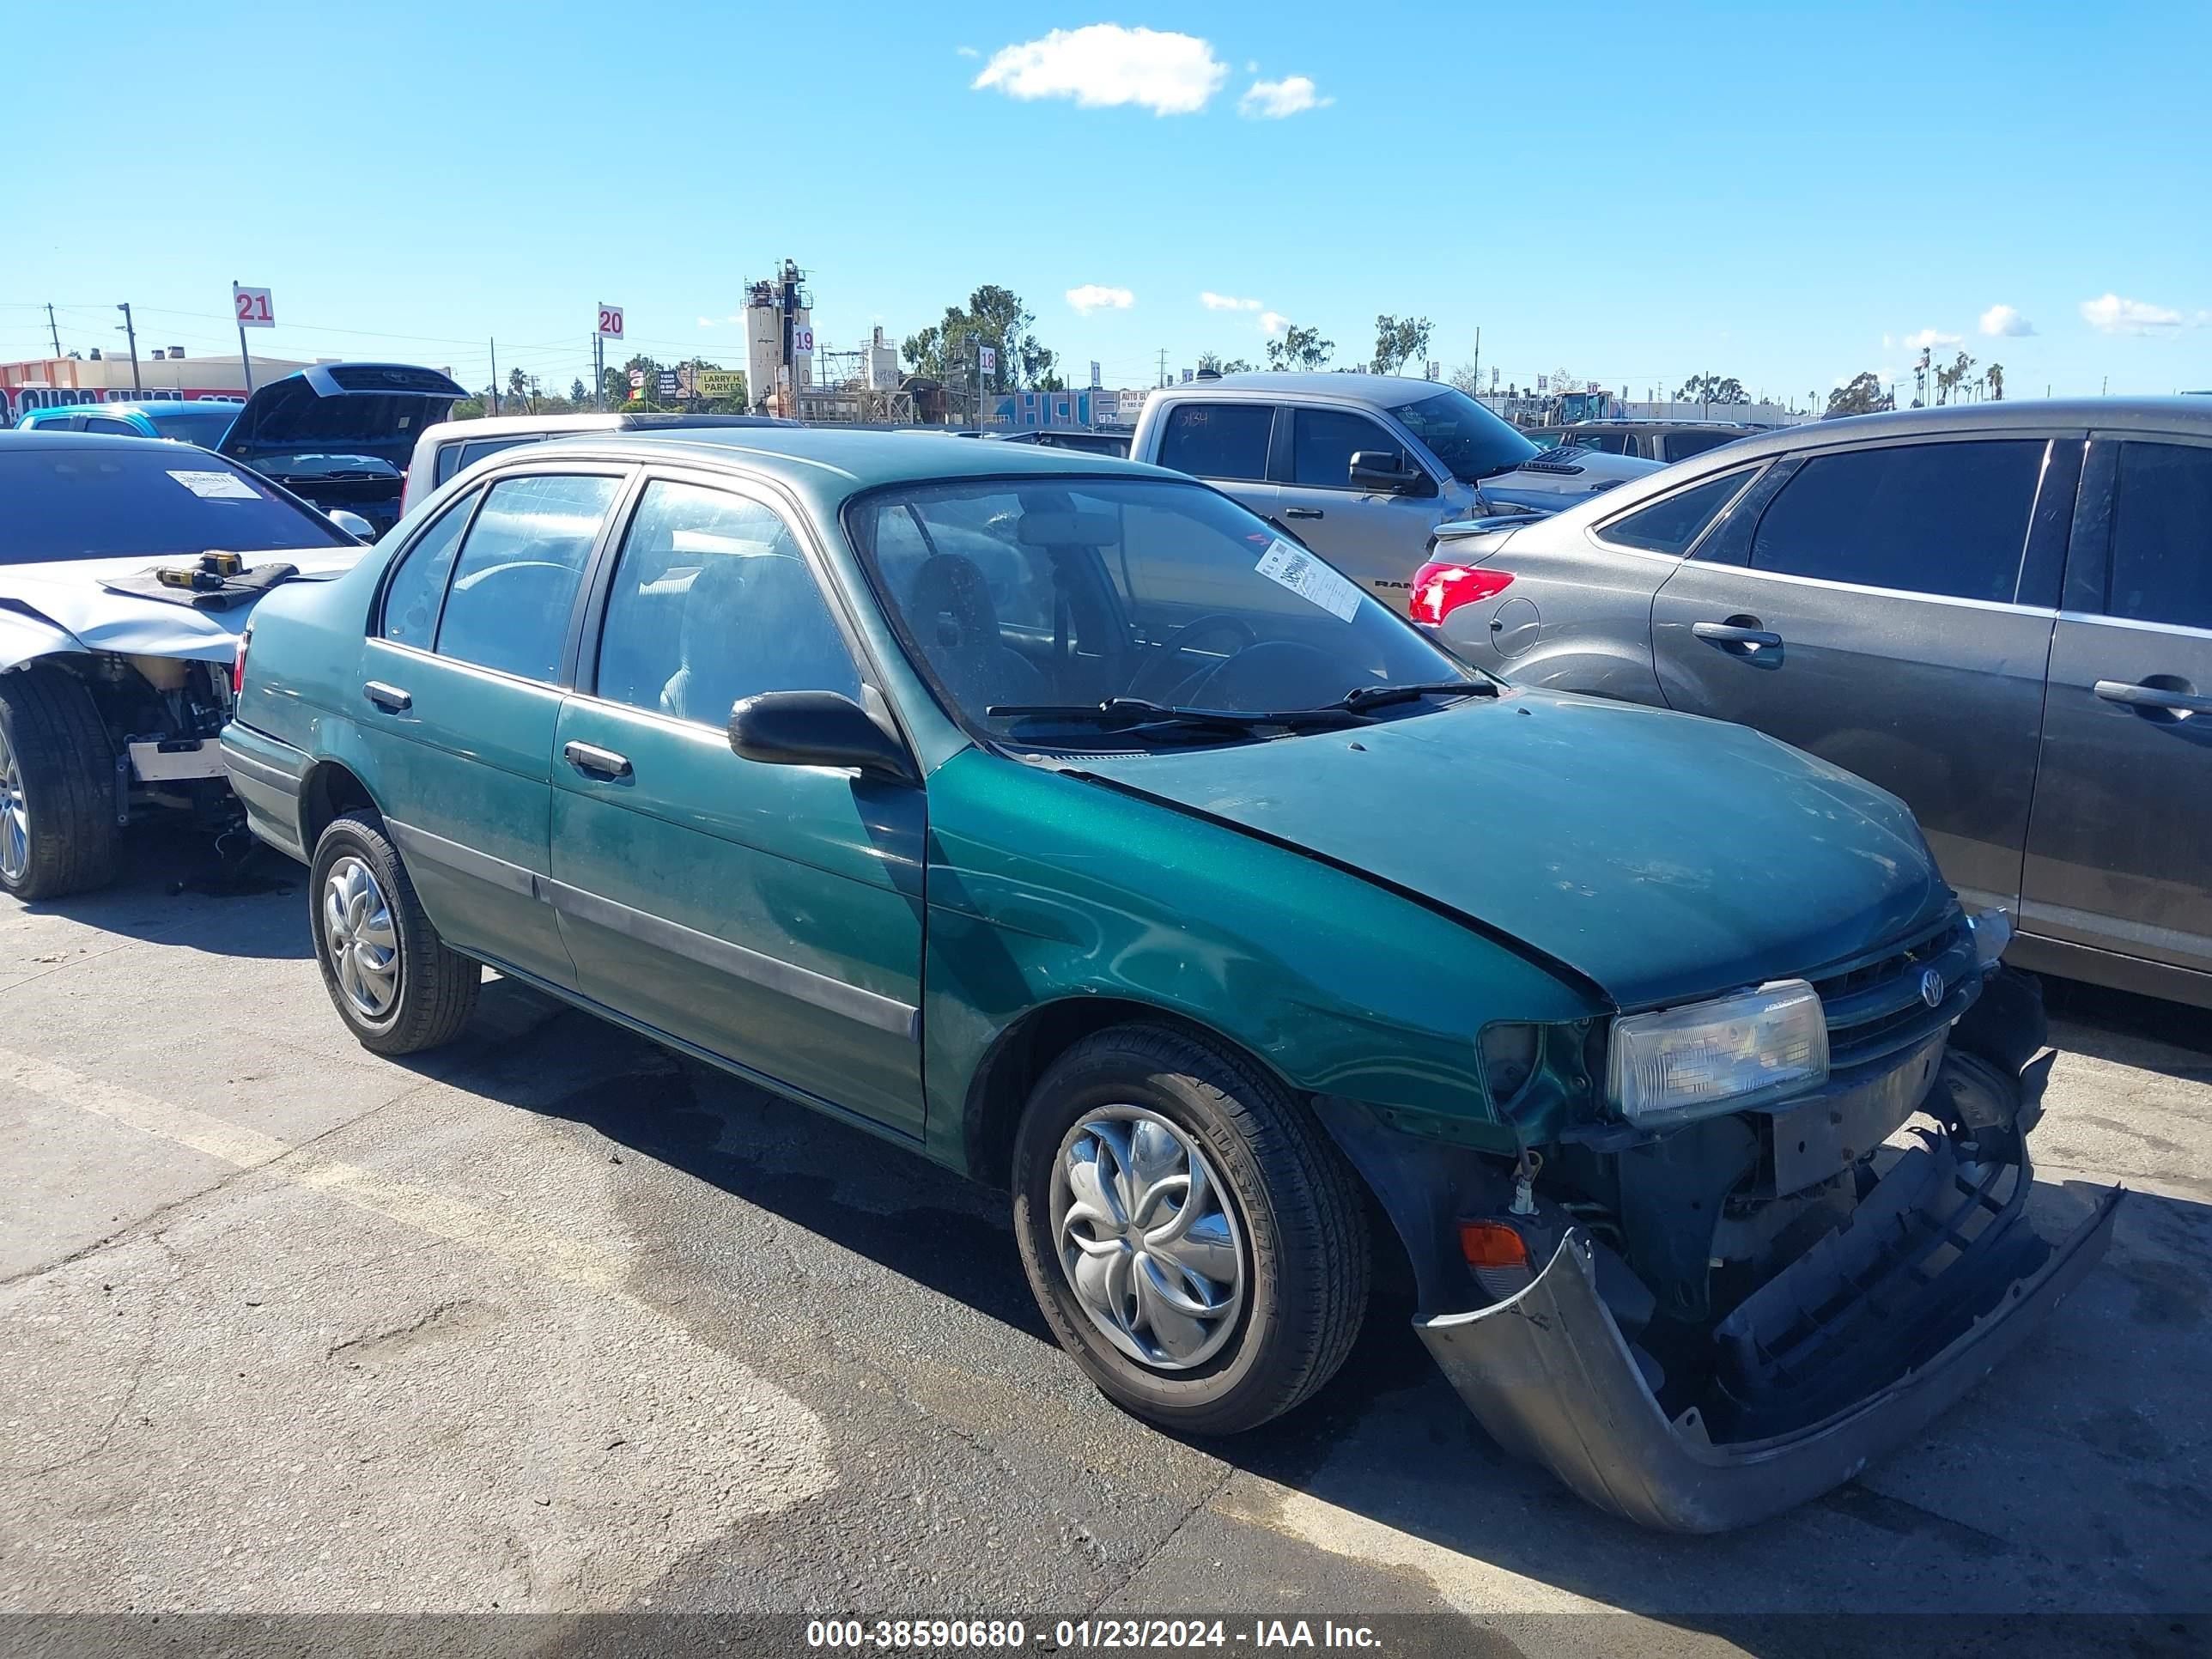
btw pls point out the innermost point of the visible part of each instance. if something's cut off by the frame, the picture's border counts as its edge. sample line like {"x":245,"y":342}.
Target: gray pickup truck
{"x":1362,"y":467}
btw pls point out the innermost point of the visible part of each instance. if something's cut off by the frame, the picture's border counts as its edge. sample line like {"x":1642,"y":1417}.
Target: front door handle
{"x":595,"y":761}
{"x":389,"y":698}
{"x":2144,"y":698}
{"x":1737,"y":631}
{"x":1302,"y":513}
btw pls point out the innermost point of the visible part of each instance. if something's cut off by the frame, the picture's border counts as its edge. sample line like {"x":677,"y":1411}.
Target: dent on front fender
{"x":1551,"y":1377}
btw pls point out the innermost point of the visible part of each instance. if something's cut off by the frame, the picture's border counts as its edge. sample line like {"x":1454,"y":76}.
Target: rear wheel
{"x":58,"y":833}
{"x":392,"y":979}
{"x":1193,"y":1238}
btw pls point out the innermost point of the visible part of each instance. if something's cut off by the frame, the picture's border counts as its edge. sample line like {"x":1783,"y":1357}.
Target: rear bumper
{"x":1551,"y":1377}
{"x":267,"y":777}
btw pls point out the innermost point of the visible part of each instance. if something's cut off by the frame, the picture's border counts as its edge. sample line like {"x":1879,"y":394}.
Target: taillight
{"x":1441,"y":586}
{"x":238,"y":661}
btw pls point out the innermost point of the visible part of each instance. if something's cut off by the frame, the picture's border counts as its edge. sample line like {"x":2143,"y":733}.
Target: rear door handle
{"x":2153,"y":697}
{"x":1302,"y":513}
{"x":1730,"y":632}
{"x":596,"y":762}
{"x":389,"y":698}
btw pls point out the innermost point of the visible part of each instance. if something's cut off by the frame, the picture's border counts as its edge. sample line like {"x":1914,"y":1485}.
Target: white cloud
{"x":1103,"y":63}
{"x":1213,"y":302}
{"x":966,"y":51}
{"x":705,"y":322}
{"x":1273,"y":322}
{"x":2113,"y":315}
{"x":1273,"y":100}
{"x":2004,"y":323}
{"x":1928,"y":337}
{"x":1097,"y":296}
{"x":735,"y":317}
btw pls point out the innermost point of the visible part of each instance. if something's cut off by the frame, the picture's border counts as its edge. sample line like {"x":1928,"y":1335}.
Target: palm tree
{"x":1996,"y":383}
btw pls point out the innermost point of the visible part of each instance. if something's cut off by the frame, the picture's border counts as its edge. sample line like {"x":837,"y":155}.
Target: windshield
{"x":103,"y":500}
{"x":1464,"y":435}
{"x":1064,"y":596}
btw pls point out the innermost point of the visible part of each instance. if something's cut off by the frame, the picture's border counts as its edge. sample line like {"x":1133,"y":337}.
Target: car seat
{"x":754,"y":624}
{"x":954,"y":620}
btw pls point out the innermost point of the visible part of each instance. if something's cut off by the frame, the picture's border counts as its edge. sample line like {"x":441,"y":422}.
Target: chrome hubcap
{"x":14,"y":816}
{"x":359,"y":938}
{"x":1148,"y":1238}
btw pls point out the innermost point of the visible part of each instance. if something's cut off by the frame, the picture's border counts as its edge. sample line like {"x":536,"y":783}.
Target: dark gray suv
{"x":2001,"y":612}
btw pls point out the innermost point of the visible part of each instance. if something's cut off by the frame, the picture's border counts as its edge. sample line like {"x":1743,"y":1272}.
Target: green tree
{"x":1995,"y":376}
{"x":1299,"y":348}
{"x":1210,"y":362}
{"x":1862,"y":395}
{"x":1399,"y":341}
{"x":577,"y":393}
{"x":1951,"y":376}
{"x":518,"y":385}
{"x":1712,"y":389}
{"x":994,"y":316}
{"x":1468,"y":378}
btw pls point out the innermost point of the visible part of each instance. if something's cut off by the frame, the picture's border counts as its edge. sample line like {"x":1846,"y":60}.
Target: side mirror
{"x":1383,"y":469}
{"x":816,"y":728}
{"x":352,"y":522}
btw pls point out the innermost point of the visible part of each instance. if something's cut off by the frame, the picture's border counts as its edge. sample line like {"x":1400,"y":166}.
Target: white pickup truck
{"x":1362,"y":467}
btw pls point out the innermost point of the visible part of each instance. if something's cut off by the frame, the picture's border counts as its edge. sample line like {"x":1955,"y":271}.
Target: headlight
{"x":1719,"y":1056}
{"x":1992,"y":931}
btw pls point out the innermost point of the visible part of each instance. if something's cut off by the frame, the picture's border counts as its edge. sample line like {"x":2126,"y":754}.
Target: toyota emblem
{"x":1931,"y":987}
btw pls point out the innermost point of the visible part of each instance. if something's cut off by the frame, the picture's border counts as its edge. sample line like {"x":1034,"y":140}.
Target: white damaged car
{"x":128,"y":569}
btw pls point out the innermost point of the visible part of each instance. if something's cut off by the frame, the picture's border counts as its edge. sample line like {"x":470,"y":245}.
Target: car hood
{"x":60,"y":606}
{"x":1557,"y":471}
{"x":1662,"y":856}
{"x":381,"y":409}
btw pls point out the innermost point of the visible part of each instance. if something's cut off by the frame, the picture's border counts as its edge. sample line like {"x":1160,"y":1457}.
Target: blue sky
{"x":1788,"y":193}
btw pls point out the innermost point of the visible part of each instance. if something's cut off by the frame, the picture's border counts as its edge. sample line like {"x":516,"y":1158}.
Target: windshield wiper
{"x":1122,"y":714}
{"x":1363,"y":697}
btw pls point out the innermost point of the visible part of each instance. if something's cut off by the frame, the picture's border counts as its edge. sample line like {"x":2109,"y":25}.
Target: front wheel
{"x":1194,"y":1240}
{"x":58,"y":833}
{"x":392,"y":979}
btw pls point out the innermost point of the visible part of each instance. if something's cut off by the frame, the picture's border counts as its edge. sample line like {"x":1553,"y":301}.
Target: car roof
{"x":501,"y":426}
{"x":152,"y":408}
{"x":829,"y":464}
{"x":1386,"y":390}
{"x":2183,"y":414}
{"x":61,"y":438}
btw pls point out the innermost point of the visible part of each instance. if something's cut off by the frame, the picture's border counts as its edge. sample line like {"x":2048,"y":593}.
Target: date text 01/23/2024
{"x":1083,"y":1635}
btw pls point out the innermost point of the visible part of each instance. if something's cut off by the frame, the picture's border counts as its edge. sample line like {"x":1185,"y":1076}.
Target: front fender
{"x":24,"y":637}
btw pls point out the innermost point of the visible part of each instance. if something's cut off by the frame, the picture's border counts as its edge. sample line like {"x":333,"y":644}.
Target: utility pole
{"x":495,"y":376}
{"x":52,"y":330}
{"x":136,"y":385}
{"x":1477,"y":357}
{"x":1164,"y":365}
{"x":600,"y":373}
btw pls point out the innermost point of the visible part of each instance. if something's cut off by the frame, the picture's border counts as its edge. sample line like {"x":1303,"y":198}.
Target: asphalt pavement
{"x":557,"y":1323}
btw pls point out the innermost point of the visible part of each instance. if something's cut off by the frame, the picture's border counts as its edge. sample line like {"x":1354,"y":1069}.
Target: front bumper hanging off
{"x":1550,"y":1377}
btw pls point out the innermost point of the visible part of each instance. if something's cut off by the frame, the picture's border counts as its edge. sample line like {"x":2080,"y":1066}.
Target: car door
{"x":2119,"y":852}
{"x":1889,"y":607}
{"x":769,"y":914}
{"x":459,"y":698}
{"x":1374,"y":536}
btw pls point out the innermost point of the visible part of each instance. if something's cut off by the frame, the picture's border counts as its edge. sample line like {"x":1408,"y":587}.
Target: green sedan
{"x":1062,"y":821}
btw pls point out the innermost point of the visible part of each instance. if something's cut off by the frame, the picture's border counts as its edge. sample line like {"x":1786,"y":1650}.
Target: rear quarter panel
{"x":1577,"y":617}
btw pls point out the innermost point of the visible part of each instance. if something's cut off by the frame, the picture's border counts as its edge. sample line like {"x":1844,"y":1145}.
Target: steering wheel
{"x":1165,"y":654}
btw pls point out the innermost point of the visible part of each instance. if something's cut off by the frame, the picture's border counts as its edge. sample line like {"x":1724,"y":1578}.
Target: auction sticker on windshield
{"x":218,"y":486}
{"x":1309,"y":579}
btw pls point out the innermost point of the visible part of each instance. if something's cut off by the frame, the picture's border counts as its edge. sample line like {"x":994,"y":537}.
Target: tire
{"x":58,"y":832}
{"x":403,"y":991}
{"x":1292,"y":1219}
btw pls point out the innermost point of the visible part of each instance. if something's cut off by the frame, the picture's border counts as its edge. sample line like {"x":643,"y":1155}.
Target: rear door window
{"x":1943,"y":519}
{"x":515,"y":581}
{"x":2162,"y":535}
{"x":417,"y":587}
{"x":109,"y":424}
{"x":1673,"y":524}
{"x":1681,"y":445}
{"x":1324,"y":440}
{"x":1218,"y":440}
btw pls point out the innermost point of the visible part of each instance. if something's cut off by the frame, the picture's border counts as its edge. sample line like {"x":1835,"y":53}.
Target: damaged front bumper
{"x":1934,"y":1269}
